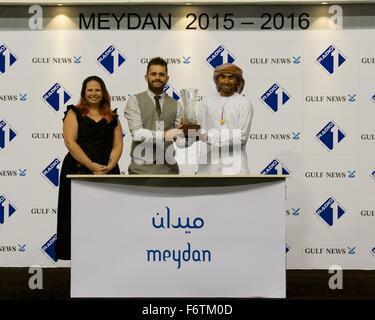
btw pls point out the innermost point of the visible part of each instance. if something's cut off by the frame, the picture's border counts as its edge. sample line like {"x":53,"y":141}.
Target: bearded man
{"x":153,"y":118}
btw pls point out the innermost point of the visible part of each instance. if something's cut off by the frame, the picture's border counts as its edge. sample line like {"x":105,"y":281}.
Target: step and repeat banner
{"x":309,"y":73}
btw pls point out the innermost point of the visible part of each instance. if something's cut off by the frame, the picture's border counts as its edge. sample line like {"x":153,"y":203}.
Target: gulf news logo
{"x":220,"y":56}
{"x":56,"y":97}
{"x":330,"y":211}
{"x":330,"y":135}
{"x":7,"y":58}
{"x":111,"y":59}
{"x":275,"y":167}
{"x":331,"y":59}
{"x":275,"y":97}
{"x":52,"y":172}
{"x":7,"y":134}
{"x":7,"y":209}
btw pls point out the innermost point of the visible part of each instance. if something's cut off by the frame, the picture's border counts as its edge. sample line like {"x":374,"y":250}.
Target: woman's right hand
{"x":97,"y":168}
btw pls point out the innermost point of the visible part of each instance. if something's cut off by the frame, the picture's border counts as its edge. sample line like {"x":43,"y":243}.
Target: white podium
{"x":178,"y":236}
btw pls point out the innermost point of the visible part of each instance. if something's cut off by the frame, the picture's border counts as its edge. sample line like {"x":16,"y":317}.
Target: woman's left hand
{"x":106,"y":169}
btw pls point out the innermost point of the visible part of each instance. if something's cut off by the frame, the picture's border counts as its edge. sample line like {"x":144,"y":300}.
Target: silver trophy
{"x":189,"y":98}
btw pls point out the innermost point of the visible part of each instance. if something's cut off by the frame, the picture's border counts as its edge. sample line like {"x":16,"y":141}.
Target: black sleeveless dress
{"x":96,"y":140}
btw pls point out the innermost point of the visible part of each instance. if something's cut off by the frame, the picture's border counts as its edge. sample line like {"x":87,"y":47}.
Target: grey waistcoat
{"x":149,"y":118}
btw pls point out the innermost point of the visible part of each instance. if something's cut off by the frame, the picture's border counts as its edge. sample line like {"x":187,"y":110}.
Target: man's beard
{"x":158,"y":90}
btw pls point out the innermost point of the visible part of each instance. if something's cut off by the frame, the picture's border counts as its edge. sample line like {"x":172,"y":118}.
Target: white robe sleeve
{"x":234,"y":135}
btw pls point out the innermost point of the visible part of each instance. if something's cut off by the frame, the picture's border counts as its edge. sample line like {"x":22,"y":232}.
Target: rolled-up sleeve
{"x":246,"y":117}
{"x":234,"y":135}
{"x":133,"y":115}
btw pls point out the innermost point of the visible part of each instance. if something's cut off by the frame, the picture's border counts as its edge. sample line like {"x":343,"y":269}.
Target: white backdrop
{"x":341,"y":180}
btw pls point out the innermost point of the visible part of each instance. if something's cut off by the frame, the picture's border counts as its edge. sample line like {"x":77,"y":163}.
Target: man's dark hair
{"x":158,"y":61}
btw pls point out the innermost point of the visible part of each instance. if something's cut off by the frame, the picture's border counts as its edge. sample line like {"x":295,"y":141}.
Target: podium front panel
{"x":147,"y":241}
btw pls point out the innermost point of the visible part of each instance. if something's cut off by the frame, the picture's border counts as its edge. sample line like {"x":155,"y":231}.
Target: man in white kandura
{"x":225,"y":120}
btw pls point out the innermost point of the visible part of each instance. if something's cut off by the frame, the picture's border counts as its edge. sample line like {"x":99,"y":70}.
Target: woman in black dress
{"x":93,"y":136}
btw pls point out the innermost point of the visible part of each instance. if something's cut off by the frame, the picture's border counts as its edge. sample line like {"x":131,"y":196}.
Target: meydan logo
{"x":166,"y":223}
